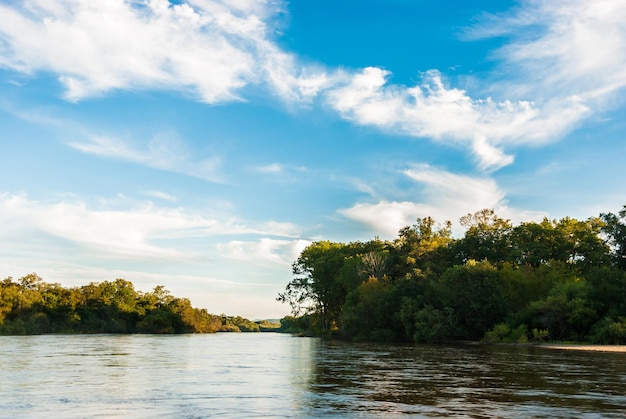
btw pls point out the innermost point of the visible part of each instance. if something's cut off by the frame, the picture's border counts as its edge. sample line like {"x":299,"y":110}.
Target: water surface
{"x":273,"y":375}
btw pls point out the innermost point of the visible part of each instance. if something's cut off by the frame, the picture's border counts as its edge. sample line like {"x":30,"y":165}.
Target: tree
{"x":565,"y":312}
{"x":423,"y":246}
{"x":551,"y":278}
{"x":374,"y":265}
{"x":473,"y":292}
{"x":615,"y":229}
{"x":568,"y":240}
{"x":368,"y":312}
{"x":316,"y":288}
{"x":433,"y":325}
{"x":487,"y":237}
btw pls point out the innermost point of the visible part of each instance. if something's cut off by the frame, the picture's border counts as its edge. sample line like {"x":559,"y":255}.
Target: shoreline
{"x":589,"y":348}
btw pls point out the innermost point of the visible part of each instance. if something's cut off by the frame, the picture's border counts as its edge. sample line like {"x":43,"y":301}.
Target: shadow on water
{"x":466,"y":380}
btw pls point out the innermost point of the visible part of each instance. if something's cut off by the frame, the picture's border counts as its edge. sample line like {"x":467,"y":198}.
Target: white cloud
{"x":289,"y":80}
{"x":277,"y":228}
{"x":432,"y":110}
{"x":164,"y":151}
{"x":270,"y":168}
{"x":385,"y":218}
{"x":446,"y":196}
{"x":115,"y":44}
{"x":564,"y":48}
{"x":141,"y":231}
{"x":161,"y":195}
{"x":70,"y":274}
{"x":572,"y":61}
{"x":489,"y":157}
{"x":209,"y":48}
{"x":263,"y":251}
{"x":565,"y":61}
{"x":445,"y":189}
{"x":120,"y":233}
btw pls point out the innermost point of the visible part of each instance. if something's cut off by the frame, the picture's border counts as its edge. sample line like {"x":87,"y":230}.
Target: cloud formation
{"x":98,"y":46}
{"x":432,"y":110}
{"x":270,"y":168}
{"x":568,"y":59}
{"x":140,"y":231}
{"x":164,"y":152}
{"x":446,"y":196}
{"x":568,"y":65}
{"x":263,"y":251}
{"x":210,"y":49}
{"x":565,"y":48}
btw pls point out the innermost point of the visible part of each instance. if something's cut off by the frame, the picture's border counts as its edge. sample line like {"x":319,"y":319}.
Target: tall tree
{"x":615,"y":229}
{"x":316,"y":288}
{"x":568,"y":240}
{"x":487,"y":237}
{"x":423,"y":246}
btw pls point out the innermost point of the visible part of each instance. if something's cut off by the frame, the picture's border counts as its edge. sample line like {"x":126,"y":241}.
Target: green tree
{"x":565,"y":312}
{"x":615,"y":229}
{"x":607,"y":291}
{"x":316,"y":288}
{"x":434,"y":325}
{"x":423,"y":247}
{"x":369,"y":312}
{"x":487,"y":237}
{"x":578,"y":243}
{"x":474,"y":294}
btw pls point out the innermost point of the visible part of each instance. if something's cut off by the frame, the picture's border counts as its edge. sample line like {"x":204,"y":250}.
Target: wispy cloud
{"x":432,"y":110}
{"x":263,"y":251}
{"x":138,"y":231}
{"x":280,"y":172}
{"x":99,"y":46}
{"x":564,"y":48}
{"x":563,"y":61}
{"x":445,"y":196}
{"x":161,"y":195}
{"x":563,"y":70}
{"x":385,"y":218}
{"x":70,"y":274}
{"x":270,"y":168}
{"x":164,"y":151}
{"x":209,"y":48}
{"x":128,"y":233}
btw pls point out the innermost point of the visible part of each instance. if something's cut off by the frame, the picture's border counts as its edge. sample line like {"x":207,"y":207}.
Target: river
{"x":244,"y":375}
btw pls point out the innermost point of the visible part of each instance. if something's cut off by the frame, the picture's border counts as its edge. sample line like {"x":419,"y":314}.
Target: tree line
{"x":32,"y":306}
{"x":556,"y":280}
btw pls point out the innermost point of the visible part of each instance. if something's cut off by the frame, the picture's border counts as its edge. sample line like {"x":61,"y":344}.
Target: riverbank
{"x":593,"y":348}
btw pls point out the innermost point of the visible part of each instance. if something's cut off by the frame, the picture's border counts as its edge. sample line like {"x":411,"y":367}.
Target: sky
{"x":202,"y":144}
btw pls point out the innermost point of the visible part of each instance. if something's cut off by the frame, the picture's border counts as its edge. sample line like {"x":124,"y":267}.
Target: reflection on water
{"x":469,"y":380}
{"x":271,"y":375}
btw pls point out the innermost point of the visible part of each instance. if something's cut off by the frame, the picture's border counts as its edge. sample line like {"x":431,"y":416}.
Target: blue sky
{"x":202,"y":145}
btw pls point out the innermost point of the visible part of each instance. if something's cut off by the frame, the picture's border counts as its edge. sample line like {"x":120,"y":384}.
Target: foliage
{"x":615,"y":228}
{"x":319,"y":288}
{"x":32,"y":306}
{"x":238,"y":324}
{"x":537,"y":281}
{"x":268,"y":325}
{"x":502,"y":333}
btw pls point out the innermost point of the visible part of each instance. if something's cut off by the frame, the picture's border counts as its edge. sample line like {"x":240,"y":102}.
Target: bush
{"x":608,"y":331}
{"x":502,"y":333}
{"x":433,"y":325}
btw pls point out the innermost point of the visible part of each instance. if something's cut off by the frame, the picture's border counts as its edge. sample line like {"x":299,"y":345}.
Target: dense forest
{"x":32,"y":306}
{"x":554,"y":280}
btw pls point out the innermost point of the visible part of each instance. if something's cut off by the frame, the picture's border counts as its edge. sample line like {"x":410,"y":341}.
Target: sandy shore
{"x":595,"y":348}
